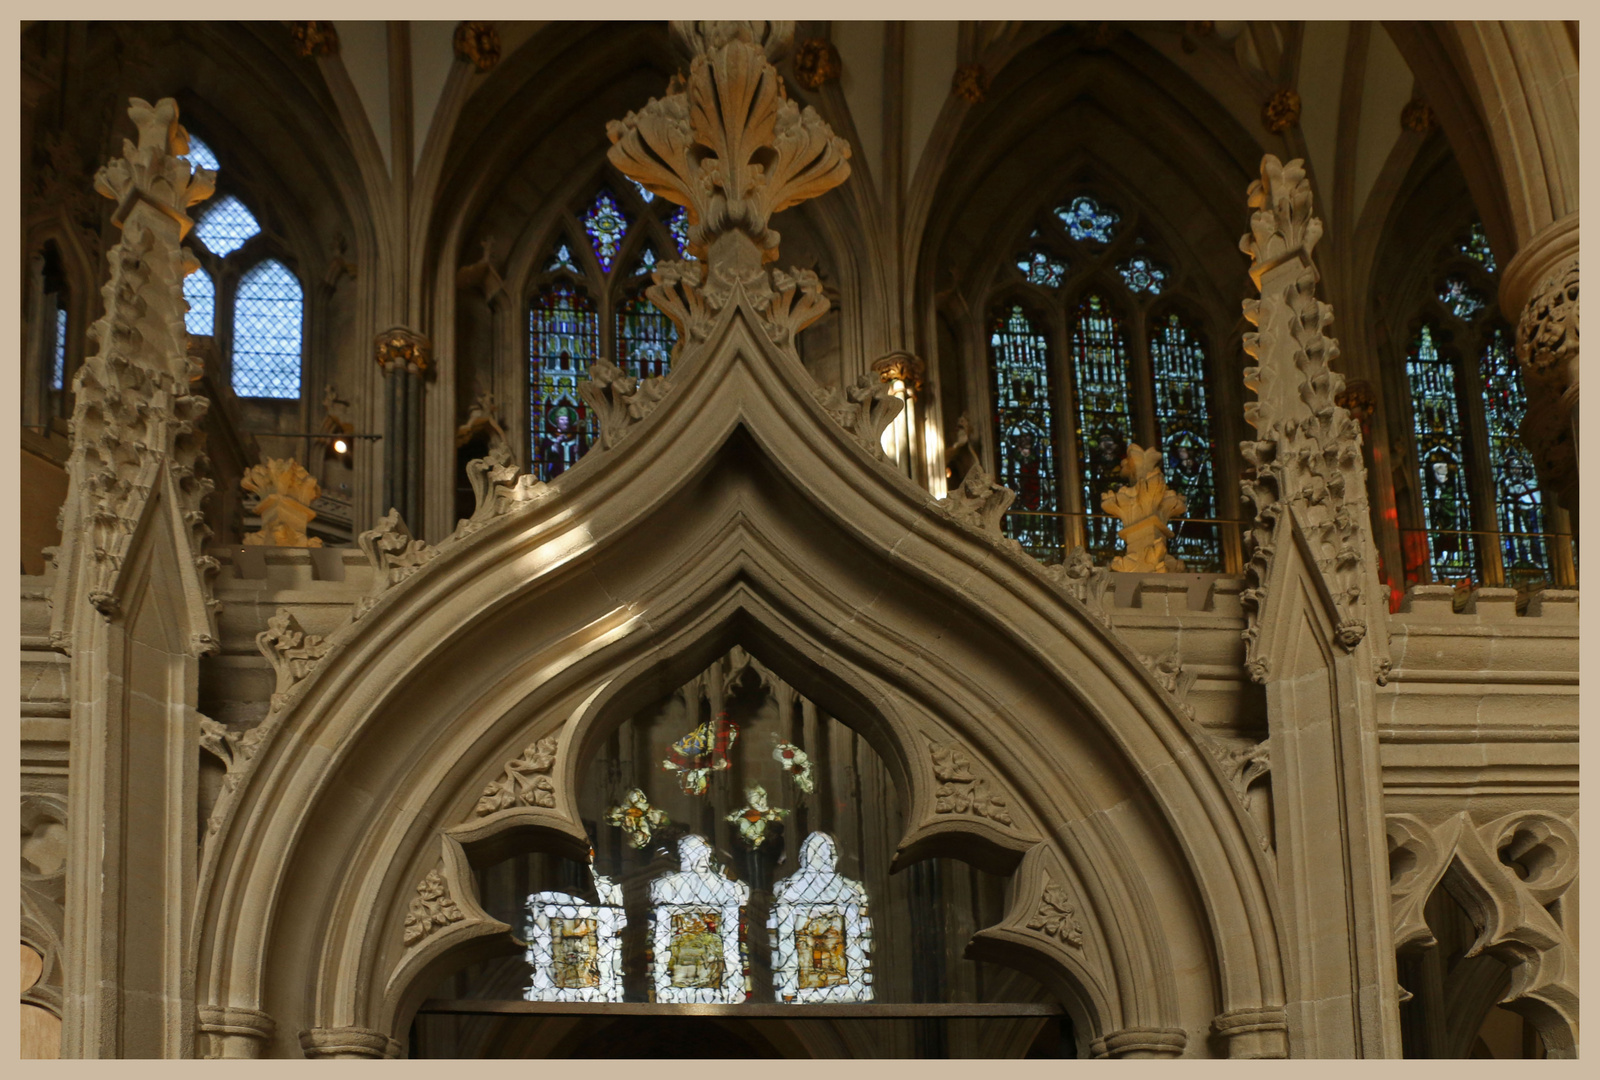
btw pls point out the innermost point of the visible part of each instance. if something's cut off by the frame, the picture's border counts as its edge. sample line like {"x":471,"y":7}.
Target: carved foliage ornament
{"x":291,"y":651}
{"x":970,"y":83}
{"x":526,"y":781}
{"x":865,"y":409}
{"x":1085,"y":581}
{"x":961,"y":791}
{"x":618,"y":400}
{"x":1144,"y":507}
{"x":432,"y":908}
{"x":979,"y":501}
{"x":402,"y":349}
{"x":314,"y":38}
{"x":286,"y":493}
{"x":394,"y":555}
{"x":1281,"y":111}
{"x":1057,"y":917}
{"x":816,"y":62}
{"x":478,"y":43}
{"x":1547,"y":332}
{"x":496,"y":488}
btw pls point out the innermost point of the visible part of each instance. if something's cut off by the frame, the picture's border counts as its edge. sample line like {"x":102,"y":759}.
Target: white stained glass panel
{"x":202,"y":296}
{"x":200,"y":156}
{"x":226,"y":226}
{"x":821,"y":931}
{"x":58,"y":363}
{"x":697,"y":947}
{"x":267,"y":314}
{"x":575,"y":947}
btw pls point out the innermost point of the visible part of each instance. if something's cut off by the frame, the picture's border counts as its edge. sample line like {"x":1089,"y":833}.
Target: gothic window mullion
{"x":1141,"y":384}
{"x":1076,"y":533}
{"x":1480,"y":468}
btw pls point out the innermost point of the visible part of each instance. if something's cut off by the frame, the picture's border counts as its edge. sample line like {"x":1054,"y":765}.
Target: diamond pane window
{"x":1085,"y":219}
{"x":821,"y":930}
{"x":1476,"y":246}
{"x":267,"y":312}
{"x":645,"y":338}
{"x":1461,"y":298}
{"x":201,"y":294}
{"x":697,"y":931}
{"x":1019,"y":357}
{"x":678,"y":225}
{"x":1142,"y":275}
{"x":1183,"y":425}
{"x":1519,"y":513}
{"x":226,"y":227}
{"x":562,"y":260}
{"x":574,"y":946}
{"x":58,"y":363}
{"x":563,"y":340}
{"x":606,"y":225}
{"x":1042,"y":268}
{"x":1446,"y":505}
{"x":200,"y":155}
{"x":1100,"y":375}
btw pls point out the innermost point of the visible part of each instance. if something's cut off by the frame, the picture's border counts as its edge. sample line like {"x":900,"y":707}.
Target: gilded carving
{"x":525,"y":782}
{"x":1144,"y":506}
{"x":970,"y":83}
{"x":478,"y":43}
{"x":431,"y":909}
{"x":961,"y":791}
{"x":286,"y":492}
{"x":1281,"y":111}
{"x":1057,"y":917}
{"x":901,"y":367}
{"x":291,"y":651}
{"x":398,"y":348}
{"x":314,"y":38}
{"x":865,"y":409}
{"x":816,"y":62}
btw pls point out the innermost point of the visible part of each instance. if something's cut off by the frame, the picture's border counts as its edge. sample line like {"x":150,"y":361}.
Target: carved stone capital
{"x":902,"y":367}
{"x":347,"y":1042}
{"x":1254,"y":1033}
{"x":402,"y":349}
{"x":233,"y":1032}
{"x":1141,"y":1043}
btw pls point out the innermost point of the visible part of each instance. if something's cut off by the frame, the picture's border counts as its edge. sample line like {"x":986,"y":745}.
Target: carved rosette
{"x":526,"y":781}
{"x":401,"y":349}
{"x":961,"y":790}
{"x":291,"y":651}
{"x":135,"y":416}
{"x":1306,"y":456}
{"x":478,"y":43}
{"x":431,"y":909}
{"x":816,"y":62}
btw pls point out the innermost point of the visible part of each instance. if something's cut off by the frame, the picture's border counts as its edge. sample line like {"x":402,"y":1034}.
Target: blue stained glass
{"x":267,"y":312}
{"x":1100,"y":376}
{"x":606,"y":225}
{"x":1517,"y":506}
{"x":645,"y":338}
{"x":226,"y":227}
{"x":678,"y":225}
{"x":563,"y":340}
{"x":200,"y":155}
{"x":1142,"y":275}
{"x":1042,"y":268}
{"x":647,"y":261}
{"x":1476,"y":246}
{"x":1085,"y":219}
{"x":1446,"y":505}
{"x":1461,"y":298}
{"x":58,"y":367}
{"x":202,"y":296}
{"x":644,"y":193}
{"x":1019,"y":357}
{"x":562,"y":260}
{"x":1183,"y":424}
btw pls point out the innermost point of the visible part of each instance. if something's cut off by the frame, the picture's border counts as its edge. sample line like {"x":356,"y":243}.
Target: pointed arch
{"x":268,"y":317}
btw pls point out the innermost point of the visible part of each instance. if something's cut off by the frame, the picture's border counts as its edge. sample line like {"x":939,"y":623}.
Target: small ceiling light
{"x":340,"y":446}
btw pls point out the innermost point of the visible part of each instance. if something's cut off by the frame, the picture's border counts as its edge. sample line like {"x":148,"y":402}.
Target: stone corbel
{"x":230,"y":1032}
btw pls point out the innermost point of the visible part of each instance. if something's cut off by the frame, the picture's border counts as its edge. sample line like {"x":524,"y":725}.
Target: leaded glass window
{"x":58,"y":362}
{"x":1462,"y":299}
{"x":1099,"y":355}
{"x":1086,"y":219}
{"x":267,"y":317}
{"x":564,"y":339}
{"x":200,"y":155}
{"x":1019,"y":358}
{"x":1142,"y":275}
{"x":226,"y":227}
{"x":562,"y":260}
{"x":821,"y":930}
{"x":1519,"y":511}
{"x":1441,"y":456}
{"x":645,"y":338}
{"x":606,"y":225}
{"x":575,"y":946}
{"x":1183,"y":424}
{"x":201,"y":293}
{"x":697,"y":931}
{"x":1476,"y":247}
{"x":1042,"y":268}
{"x":644,"y":193}
{"x":678,"y":225}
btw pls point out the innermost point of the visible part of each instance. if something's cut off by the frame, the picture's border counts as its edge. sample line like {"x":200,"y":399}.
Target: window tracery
{"x":226,"y":226}
{"x":267,"y":315}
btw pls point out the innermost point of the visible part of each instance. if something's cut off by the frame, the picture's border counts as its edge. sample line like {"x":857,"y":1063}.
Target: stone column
{"x":405,"y":357}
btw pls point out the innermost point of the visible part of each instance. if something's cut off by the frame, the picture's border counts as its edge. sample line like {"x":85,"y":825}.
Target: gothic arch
{"x":632,"y":567}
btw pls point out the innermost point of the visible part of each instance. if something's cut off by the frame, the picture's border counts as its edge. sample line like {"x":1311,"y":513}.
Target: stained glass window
{"x":563,"y":340}
{"x":1100,"y":377}
{"x":644,"y":193}
{"x":821,"y":931}
{"x":1086,"y":219}
{"x":226,"y":226}
{"x":1476,"y":246}
{"x":267,"y":312}
{"x":1183,"y":425}
{"x":1461,"y":298}
{"x":201,"y":293}
{"x":697,"y":931}
{"x":562,"y":260}
{"x":1519,"y":512}
{"x":1020,"y":360}
{"x":645,"y":338}
{"x":606,"y":225}
{"x":200,"y":155}
{"x":58,"y":365}
{"x":1446,"y":505}
{"x":1142,"y":275}
{"x":574,"y":946}
{"x":678,"y":225}
{"x":1042,"y":268}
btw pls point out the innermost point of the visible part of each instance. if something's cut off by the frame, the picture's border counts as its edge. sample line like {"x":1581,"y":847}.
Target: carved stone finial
{"x":865,"y":409}
{"x":394,"y":555}
{"x":287,"y":492}
{"x":291,"y":651}
{"x":314,"y":38}
{"x":1144,"y":507}
{"x":970,"y":83}
{"x":478,"y":43}
{"x":1281,"y":111}
{"x":979,"y":501}
{"x":432,"y":909}
{"x":816,"y":62}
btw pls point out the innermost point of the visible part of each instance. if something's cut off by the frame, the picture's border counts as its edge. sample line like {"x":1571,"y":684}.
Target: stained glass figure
{"x":701,"y":752}
{"x":58,"y":363}
{"x":795,"y":761}
{"x":562,"y":260}
{"x":1183,"y":426}
{"x":697,"y":931}
{"x":1519,"y":513}
{"x":821,"y":931}
{"x":200,"y":155}
{"x":637,"y":819}
{"x":644,"y":193}
{"x":226,"y":226}
{"x":645,"y":337}
{"x":678,"y":225}
{"x":1446,"y":507}
{"x":563,"y":340}
{"x":1042,"y":268}
{"x":755,"y":816}
{"x":1086,"y":219}
{"x":267,"y":310}
{"x":201,"y":293}
{"x":1019,"y":358}
{"x":1476,"y":247}
{"x":574,"y":946}
{"x":1100,"y":376}
{"x":1461,"y":298}
{"x":606,"y":225}
{"x":1142,"y":275}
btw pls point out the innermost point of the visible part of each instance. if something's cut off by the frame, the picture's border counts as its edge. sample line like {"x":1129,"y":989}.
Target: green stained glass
{"x":563,"y":340}
{"x":1019,"y":357}
{"x":1519,"y":513}
{"x":1441,"y":458}
{"x":1100,"y":375}
{"x":1183,"y":423}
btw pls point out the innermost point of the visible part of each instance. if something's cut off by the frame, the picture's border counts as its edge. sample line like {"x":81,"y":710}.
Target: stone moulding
{"x":1145,"y":1042}
{"x":234,"y":1032}
{"x":1254,"y":1033}
{"x":347,"y":1042}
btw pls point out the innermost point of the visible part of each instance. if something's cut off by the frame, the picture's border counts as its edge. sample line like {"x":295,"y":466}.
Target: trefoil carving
{"x":432,"y":909}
